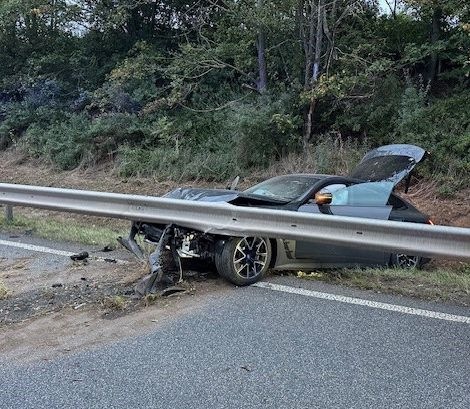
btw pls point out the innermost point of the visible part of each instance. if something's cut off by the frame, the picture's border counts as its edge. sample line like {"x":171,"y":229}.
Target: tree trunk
{"x":261,"y":46}
{"x":316,"y":68}
{"x":309,"y":124}
{"x":53,"y":16}
{"x":318,"y":43}
{"x":435,"y":35}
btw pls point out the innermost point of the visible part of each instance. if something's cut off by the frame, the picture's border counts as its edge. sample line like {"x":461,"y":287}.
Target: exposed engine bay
{"x":182,"y":243}
{"x":187,"y":243}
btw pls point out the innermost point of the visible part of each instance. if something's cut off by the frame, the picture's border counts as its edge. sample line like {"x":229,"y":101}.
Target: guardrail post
{"x":8,"y":214}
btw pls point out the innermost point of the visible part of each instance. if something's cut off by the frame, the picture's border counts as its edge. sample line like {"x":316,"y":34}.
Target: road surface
{"x":261,"y":347}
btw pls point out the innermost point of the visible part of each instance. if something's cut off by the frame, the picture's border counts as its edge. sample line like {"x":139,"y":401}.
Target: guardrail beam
{"x":229,"y":220}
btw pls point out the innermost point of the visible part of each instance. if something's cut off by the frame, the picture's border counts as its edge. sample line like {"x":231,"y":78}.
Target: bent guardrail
{"x":229,"y":220}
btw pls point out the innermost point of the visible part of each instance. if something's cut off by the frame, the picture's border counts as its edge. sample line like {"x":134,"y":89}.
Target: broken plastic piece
{"x":80,"y":256}
{"x":130,"y":243}
{"x":156,"y":280}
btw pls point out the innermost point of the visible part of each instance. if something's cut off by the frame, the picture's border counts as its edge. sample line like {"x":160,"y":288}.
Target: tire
{"x":243,"y":261}
{"x":406,"y":261}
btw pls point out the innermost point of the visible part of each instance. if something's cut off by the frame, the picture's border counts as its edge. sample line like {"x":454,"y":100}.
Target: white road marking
{"x":47,"y":250}
{"x":366,"y":303}
{"x":39,"y":249}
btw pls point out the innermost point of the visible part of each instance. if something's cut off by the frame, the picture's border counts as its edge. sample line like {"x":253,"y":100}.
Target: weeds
{"x":63,"y":230}
{"x":436,"y":283}
{"x":114,"y":303}
{"x":150,"y":299}
{"x":4,"y":291}
{"x":332,"y":155}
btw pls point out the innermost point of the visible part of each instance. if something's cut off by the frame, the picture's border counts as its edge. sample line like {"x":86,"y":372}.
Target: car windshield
{"x":283,"y":188}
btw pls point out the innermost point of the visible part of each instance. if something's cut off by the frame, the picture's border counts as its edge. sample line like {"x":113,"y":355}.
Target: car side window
{"x":396,"y":202}
{"x":362,"y":194}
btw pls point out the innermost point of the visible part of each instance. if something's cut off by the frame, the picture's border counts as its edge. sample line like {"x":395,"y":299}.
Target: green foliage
{"x":19,"y":117}
{"x":262,"y":132}
{"x":242,"y":137}
{"x":371,"y":117}
{"x":170,"y":88}
{"x":442,"y":127}
{"x":77,"y":140}
{"x":63,"y":143}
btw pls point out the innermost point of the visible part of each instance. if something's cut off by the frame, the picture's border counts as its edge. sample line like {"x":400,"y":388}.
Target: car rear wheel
{"x":244,"y":261}
{"x":406,"y":261}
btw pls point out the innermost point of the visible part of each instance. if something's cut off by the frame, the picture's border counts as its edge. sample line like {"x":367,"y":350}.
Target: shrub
{"x":64,"y":143}
{"x":168,"y":163}
{"x":331,"y":155}
{"x":215,"y":145}
{"x":443,"y":128}
{"x":78,"y":140}
{"x":18,"y":117}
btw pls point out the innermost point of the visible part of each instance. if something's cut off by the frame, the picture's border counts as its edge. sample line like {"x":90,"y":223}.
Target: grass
{"x":4,"y":292}
{"x":438,"y":283}
{"x":62,"y":230}
{"x":115,"y":303}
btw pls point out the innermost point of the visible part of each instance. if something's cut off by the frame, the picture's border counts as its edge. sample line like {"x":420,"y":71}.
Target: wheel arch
{"x":273,"y":261}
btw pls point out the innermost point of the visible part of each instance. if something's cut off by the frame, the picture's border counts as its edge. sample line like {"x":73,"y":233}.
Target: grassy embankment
{"x":56,"y":229}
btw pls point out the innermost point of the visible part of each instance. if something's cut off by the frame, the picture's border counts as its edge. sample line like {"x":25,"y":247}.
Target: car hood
{"x":391,"y":163}
{"x":202,"y":195}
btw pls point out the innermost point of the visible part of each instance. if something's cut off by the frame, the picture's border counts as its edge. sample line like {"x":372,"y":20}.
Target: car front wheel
{"x":243,"y":261}
{"x":406,"y":261}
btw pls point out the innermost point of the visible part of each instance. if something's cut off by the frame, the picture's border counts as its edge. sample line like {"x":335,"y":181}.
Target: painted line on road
{"x":366,"y":303}
{"x":48,"y":250}
{"x":32,"y":247}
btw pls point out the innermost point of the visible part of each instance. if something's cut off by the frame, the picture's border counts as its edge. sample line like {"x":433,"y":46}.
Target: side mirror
{"x":323,"y":198}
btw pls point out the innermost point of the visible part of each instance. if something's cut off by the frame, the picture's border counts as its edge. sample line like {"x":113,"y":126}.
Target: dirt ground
{"x":84,"y":305}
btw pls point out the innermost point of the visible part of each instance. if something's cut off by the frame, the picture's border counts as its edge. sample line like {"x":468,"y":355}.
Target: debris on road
{"x":80,"y":256}
{"x":172,"y":290}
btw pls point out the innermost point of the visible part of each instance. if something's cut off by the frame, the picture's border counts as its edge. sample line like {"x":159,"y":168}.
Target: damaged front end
{"x":176,"y":242}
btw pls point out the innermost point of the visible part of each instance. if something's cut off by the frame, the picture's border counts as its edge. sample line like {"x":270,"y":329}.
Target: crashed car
{"x":367,"y":192}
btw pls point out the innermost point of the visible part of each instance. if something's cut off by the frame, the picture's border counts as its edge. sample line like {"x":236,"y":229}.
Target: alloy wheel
{"x":250,"y":256}
{"x":406,"y":261}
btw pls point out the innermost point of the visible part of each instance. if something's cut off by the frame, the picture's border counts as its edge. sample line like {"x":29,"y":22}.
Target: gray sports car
{"x":367,"y":192}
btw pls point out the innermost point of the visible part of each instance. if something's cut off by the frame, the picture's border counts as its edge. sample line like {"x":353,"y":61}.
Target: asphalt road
{"x":254,"y":348}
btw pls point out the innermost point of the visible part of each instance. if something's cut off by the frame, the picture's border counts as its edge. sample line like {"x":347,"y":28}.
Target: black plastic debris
{"x":80,"y":256}
{"x":172,"y":290}
{"x":156,"y":280}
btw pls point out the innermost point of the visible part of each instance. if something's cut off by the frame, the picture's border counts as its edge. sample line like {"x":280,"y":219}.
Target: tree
{"x":319,"y":22}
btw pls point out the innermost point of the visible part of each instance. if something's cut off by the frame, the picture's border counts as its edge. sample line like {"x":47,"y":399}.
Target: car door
{"x":367,"y":200}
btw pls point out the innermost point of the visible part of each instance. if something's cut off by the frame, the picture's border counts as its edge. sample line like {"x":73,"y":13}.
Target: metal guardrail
{"x":8,"y":214}
{"x":230,"y":220}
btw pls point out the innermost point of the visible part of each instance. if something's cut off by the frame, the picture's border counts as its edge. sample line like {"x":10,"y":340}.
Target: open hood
{"x":391,"y":163}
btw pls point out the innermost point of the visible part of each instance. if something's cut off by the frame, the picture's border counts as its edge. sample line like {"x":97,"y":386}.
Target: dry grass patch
{"x":114,"y":303}
{"x":434,"y":283}
{"x":4,"y":291}
{"x":63,"y":230}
